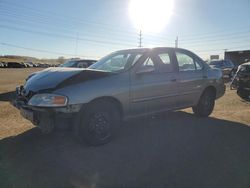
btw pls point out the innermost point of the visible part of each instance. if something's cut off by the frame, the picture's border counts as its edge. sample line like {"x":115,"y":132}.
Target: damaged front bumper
{"x":49,"y":118}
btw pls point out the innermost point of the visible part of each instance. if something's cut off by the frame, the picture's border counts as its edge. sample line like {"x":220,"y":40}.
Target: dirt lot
{"x":173,"y":149}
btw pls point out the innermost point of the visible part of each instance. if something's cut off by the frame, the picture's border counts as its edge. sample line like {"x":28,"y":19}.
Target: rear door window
{"x":165,"y":64}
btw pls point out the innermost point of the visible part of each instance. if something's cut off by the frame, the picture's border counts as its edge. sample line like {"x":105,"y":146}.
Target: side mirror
{"x":145,"y":69}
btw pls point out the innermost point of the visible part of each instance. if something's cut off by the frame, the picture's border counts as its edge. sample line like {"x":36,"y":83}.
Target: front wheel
{"x":205,"y":105}
{"x":98,"y":123}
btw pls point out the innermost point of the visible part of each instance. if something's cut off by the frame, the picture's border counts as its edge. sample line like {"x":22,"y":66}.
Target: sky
{"x":94,"y":28}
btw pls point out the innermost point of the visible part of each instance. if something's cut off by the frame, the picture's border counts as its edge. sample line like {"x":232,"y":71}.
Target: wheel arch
{"x":211,"y":89}
{"x":113,"y":100}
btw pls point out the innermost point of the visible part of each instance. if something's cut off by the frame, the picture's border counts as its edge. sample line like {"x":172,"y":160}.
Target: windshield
{"x":68,"y":64}
{"x":117,"y":61}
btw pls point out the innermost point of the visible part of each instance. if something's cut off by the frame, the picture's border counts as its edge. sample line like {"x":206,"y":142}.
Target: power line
{"x":231,"y":35}
{"x":69,"y":37}
{"x":78,"y":20}
{"x":31,"y":20}
{"x":100,"y":42}
{"x":221,"y":49}
{"x":58,"y":17}
{"x":42,"y":17}
{"x":199,"y":39}
{"x":36,"y":50}
{"x":238,"y":36}
{"x":215,"y":42}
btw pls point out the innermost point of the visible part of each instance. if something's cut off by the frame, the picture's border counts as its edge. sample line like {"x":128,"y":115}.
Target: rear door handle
{"x":174,"y":80}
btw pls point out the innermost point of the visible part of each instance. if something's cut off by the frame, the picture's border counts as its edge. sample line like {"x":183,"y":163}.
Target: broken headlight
{"x":48,"y":100}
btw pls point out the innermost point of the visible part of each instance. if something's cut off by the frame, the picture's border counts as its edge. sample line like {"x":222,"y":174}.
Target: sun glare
{"x":151,"y":15}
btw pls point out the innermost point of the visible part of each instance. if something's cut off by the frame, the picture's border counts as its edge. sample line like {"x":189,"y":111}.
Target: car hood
{"x":54,"y":78}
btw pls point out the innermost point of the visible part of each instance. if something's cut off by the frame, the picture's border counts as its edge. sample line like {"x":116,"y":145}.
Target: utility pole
{"x":176,"y":42}
{"x":140,"y":39}
{"x":225,"y":50}
{"x":76,"y":47}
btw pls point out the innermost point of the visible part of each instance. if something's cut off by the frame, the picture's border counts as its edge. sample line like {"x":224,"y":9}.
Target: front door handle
{"x":174,"y":80}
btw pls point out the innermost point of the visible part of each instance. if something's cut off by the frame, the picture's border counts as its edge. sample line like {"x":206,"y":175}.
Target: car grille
{"x":23,"y":96}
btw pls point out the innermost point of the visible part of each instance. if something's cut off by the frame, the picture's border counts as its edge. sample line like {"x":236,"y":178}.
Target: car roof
{"x":142,"y":50}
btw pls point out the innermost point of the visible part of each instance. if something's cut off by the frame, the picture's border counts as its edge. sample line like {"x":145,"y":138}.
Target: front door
{"x":153,"y":85}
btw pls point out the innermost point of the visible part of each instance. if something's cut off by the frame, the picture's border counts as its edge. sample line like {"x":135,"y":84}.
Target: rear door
{"x":191,"y":78}
{"x":156,"y":90}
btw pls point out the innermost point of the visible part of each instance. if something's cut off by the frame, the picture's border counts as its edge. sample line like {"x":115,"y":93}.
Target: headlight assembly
{"x":48,"y":100}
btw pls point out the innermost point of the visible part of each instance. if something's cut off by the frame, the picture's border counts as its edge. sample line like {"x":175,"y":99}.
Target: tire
{"x":98,"y":123}
{"x":243,"y":94}
{"x":205,"y":105}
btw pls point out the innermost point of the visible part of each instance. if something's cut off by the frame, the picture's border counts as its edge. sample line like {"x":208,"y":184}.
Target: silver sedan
{"x":123,"y":85}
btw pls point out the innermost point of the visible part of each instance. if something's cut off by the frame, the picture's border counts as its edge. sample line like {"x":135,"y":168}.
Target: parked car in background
{"x":2,"y":65}
{"x":35,"y":65}
{"x":78,"y":63}
{"x":25,"y":65}
{"x":228,"y":68}
{"x":15,"y":65}
{"x":54,"y":65}
{"x":5,"y":65}
{"x":43,"y":65}
{"x":122,"y":85}
{"x":241,"y":81}
{"x":29,"y":64}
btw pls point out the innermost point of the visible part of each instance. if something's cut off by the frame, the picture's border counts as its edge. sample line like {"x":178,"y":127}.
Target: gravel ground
{"x":174,"y":149}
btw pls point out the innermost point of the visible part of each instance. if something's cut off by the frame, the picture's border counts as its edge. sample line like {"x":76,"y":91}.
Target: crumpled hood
{"x":53,"y":78}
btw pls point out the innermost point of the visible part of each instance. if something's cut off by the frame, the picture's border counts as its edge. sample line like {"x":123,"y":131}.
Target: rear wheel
{"x":206,"y":103}
{"x":98,"y":123}
{"x":243,"y":93}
